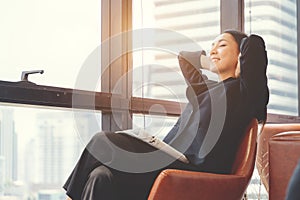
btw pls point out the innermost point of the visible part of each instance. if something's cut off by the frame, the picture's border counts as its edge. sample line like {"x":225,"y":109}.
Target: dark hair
{"x":260,"y":112}
{"x":237,"y":35}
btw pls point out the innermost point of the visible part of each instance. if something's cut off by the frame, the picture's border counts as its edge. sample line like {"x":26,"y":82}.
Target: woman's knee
{"x":100,"y":147}
{"x":99,"y":184}
{"x":101,"y":175}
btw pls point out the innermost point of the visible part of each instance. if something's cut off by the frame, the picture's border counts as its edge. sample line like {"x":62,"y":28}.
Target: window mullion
{"x":232,"y":14}
{"x":116,"y":16}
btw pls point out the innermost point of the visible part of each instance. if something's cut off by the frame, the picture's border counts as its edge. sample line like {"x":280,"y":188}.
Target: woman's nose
{"x":212,"y":51}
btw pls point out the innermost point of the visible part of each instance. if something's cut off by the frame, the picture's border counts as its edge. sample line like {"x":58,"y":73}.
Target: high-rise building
{"x":50,"y":195}
{"x":8,"y":145}
{"x":192,"y":21}
{"x":56,"y":147}
{"x":50,"y":145}
{"x":2,"y":175}
{"x":276,"y":21}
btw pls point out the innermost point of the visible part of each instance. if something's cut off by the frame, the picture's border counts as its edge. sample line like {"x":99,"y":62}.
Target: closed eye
{"x":222,"y":43}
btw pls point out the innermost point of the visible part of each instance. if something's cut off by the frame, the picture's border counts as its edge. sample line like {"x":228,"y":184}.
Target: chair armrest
{"x":175,"y":184}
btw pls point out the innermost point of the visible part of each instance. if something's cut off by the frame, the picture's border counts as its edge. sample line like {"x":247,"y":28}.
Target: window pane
{"x":276,"y":21}
{"x":167,"y":28}
{"x":56,"y":36}
{"x":39,"y":148}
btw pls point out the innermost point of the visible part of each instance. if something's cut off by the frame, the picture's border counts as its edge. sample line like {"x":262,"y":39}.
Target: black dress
{"x":208,"y":132}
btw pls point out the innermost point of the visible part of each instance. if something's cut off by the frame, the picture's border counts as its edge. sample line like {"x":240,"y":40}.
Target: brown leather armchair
{"x":284,"y":153}
{"x":262,"y":159}
{"x":174,"y":184}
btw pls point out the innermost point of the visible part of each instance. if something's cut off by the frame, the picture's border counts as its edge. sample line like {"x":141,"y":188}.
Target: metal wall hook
{"x":25,"y":74}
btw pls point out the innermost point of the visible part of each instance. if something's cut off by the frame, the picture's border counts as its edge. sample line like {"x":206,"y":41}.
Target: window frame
{"x":298,"y":50}
{"x":116,"y":19}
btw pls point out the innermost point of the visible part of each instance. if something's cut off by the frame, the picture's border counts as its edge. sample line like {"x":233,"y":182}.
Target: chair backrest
{"x":262,"y":158}
{"x":245,"y":157}
{"x":284,"y":154}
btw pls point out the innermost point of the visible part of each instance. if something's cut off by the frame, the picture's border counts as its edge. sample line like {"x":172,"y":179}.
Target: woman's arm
{"x":253,"y":66}
{"x":190,"y":65}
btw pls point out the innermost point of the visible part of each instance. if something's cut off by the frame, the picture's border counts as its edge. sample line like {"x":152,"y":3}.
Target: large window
{"x":170,"y":26}
{"x":162,"y":30}
{"x":40,"y":146}
{"x":276,"y":21}
{"x":54,"y":36}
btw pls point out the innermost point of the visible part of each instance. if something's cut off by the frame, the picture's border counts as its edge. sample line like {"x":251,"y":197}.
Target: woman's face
{"x":225,"y":56}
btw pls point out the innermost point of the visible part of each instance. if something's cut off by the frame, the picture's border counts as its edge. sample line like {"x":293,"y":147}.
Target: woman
{"x":208,"y":131}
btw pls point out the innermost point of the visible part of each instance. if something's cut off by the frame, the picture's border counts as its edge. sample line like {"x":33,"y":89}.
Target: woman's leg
{"x":87,"y":163}
{"x":99,"y":185}
{"x":130,"y":184}
{"x":77,"y":179}
{"x":100,"y":152}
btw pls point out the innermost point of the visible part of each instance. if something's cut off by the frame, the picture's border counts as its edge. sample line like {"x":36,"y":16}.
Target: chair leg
{"x":245,"y":197}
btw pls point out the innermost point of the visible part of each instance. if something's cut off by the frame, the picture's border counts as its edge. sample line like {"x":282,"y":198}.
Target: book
{"x":155,"y":142}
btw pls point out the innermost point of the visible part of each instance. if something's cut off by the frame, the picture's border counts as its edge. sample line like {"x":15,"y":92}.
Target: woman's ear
{"x":238,"y":68}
